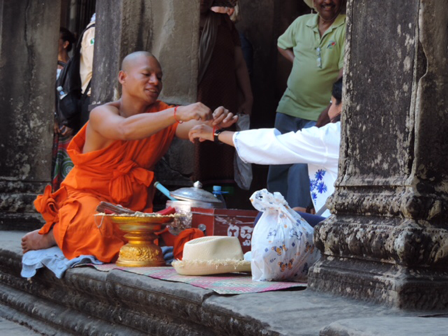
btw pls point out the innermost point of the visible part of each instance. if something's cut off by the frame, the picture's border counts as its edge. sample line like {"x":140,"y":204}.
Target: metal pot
{"x":197,"y":197}
{"x":192,"y":196}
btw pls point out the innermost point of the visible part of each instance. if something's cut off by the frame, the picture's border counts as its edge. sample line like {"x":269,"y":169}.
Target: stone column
{"x":161,"y":27}
{"x":387,"y":240}
{"x":169,"y":30}
{"x":29,"y":33}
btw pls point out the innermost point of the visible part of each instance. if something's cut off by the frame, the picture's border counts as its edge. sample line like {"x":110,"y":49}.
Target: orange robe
{"x":120,"y":174}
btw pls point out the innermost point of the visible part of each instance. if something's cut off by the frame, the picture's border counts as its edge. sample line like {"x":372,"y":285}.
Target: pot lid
{"x":195,"y":193}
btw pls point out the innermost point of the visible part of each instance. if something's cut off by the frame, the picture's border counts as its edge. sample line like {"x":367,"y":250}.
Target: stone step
{"x":20,"y":221}
{"x":86,"y":301}
{"x":90,"y":302}
{"x":15,"y":322}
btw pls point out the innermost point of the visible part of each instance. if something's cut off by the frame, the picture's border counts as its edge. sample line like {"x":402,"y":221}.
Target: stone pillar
{"x":387,"y":239}
{"x":161,"y":27}
{"x":29,"y":33}
{"x":169,"y":30}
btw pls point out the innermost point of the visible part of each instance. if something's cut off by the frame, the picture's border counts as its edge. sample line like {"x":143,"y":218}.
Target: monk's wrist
{"x":176,"y":116}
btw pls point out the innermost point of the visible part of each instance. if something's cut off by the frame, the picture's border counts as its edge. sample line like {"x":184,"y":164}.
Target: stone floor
{"x":89,"y":302}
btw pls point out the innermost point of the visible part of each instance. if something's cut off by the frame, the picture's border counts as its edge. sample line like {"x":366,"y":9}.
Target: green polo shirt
{"x":317,"y":61}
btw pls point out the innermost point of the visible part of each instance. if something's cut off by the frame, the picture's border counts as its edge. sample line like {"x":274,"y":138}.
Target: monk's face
{"x":143,"y":79}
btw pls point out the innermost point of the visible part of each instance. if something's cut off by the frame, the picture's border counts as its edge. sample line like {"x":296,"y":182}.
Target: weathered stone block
{"x":28,"y":53}
{"x":388,"y":238}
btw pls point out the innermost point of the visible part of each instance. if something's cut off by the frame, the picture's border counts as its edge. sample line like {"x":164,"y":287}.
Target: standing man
{"x":86,"y":67}
{"x":314,"y":44}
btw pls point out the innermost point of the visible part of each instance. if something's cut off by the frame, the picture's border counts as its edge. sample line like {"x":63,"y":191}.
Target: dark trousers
{"x":292,"y":181}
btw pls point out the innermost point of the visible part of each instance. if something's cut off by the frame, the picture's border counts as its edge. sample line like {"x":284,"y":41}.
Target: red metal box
{"x":226,"y":222}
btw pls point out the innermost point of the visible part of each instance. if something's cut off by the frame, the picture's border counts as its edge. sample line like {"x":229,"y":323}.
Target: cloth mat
{"x":54,"y":260}
{"x":224,"y":284}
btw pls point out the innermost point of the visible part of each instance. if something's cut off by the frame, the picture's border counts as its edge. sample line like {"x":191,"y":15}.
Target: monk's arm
{"x":243,"y":82}
{"x":111,"y":125}
{"x":107,"y":121}
{"x":183,"y":129}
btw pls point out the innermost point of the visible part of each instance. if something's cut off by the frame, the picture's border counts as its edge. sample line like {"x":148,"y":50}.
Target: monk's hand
{"x":196,"y":111}
{"x":202,"y":132}
{"x":222,"y":118}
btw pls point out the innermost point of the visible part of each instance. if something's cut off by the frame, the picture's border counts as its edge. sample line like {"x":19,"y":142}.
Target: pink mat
{"x":235,"y":283}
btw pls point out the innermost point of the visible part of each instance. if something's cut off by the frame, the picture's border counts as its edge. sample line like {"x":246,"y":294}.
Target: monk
{"x":114,"y":155}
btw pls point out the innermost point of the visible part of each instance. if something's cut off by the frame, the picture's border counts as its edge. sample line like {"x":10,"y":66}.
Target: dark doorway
{"x":76,"y":14}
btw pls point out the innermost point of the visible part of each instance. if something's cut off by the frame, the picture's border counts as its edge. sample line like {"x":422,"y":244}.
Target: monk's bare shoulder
{"x":95,"y":139}
{"x":112,"y":107}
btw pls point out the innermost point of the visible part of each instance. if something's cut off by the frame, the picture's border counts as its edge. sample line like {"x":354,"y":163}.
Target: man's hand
{"x":305,"y":210}
{"x":287,"y":53}
{"x":66,"y":131}
{"x":222,"y":118}
{"x":246,"y":107}
{"x":196,"y":111}
{"x":202,"y":132}
{"x":323,"y":117}
{"x":56,"y":127}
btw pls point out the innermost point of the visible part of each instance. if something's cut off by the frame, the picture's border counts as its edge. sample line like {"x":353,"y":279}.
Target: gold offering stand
{"x":141,"y":251}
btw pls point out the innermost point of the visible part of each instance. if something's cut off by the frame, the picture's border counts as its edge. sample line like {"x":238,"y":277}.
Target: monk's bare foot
{"x":34,"y":241}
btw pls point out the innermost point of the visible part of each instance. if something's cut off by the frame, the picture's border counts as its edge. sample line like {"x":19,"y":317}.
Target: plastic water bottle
{"x":61,"y":92}
{"x":203,"y":228}
{"x":218,"y":193}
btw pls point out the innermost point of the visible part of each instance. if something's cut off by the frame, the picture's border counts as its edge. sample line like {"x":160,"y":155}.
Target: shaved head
{"x":141,"y":77}
{"x":130,"y":60}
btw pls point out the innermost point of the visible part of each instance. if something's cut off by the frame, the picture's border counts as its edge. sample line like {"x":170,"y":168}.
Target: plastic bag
{"x":242,"y":170}
{"x":282,"y":241}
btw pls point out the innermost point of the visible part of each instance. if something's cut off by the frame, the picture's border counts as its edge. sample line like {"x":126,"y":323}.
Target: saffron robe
{"x":120,"y":173}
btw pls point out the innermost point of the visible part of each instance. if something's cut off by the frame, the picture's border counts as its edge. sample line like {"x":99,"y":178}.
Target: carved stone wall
{"x":387,"y":240}
{"x":29,"y":32}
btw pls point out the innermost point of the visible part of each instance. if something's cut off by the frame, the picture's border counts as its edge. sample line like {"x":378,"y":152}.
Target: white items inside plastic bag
{"x":282,"y":241}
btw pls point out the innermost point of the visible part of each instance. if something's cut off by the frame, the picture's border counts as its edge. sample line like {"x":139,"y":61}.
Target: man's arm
{"x":323,"y":117}
{"x":205,"y":132}
{"x":287,"y":53}
{"x":268,"y":146}
{"x":243,"y":82}
{"x":86,"y":62}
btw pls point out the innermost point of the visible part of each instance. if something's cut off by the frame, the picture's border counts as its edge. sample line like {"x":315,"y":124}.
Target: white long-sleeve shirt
{"x":318,"y":147}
